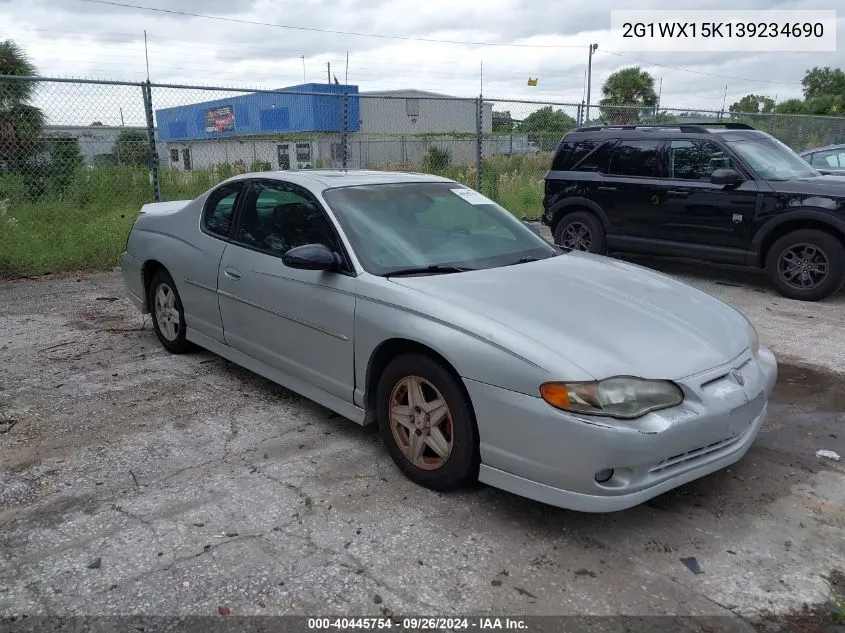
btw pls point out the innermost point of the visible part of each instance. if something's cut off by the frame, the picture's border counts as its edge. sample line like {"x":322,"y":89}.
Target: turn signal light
{"x":556,"y":394}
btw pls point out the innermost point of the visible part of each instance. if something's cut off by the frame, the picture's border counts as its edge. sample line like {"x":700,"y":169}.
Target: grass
{"x":85,"y":225}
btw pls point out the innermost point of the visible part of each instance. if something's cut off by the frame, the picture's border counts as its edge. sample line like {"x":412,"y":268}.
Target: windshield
{"x":772,"y":160}
{"x":418,"y":225}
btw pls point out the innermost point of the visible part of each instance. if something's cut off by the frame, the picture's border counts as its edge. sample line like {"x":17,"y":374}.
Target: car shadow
{"x":720,"y":274}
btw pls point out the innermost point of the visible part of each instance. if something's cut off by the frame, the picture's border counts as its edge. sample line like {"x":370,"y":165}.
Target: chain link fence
{"x":78,"y":158}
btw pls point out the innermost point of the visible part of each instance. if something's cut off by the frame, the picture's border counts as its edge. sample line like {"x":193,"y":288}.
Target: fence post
{"x":344,"y":133}
{"x":479,"y":140}
{"x":146,"y":91}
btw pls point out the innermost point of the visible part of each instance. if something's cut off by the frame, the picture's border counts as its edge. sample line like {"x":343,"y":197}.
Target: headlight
{"x":753,"y":340}
{"x":619,"y":397}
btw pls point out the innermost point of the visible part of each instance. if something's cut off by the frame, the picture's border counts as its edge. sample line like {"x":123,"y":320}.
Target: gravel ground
{"x":135,"y":482}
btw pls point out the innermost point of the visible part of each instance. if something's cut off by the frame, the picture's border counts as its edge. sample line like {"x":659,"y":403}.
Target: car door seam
{"x":289,"y":317}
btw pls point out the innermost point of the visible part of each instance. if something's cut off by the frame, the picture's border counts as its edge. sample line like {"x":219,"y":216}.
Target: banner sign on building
{"x":220,"y":119}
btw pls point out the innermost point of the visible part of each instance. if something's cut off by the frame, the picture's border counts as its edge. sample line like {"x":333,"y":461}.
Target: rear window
{"x":598,"y":159}
{"x":570,"y":153}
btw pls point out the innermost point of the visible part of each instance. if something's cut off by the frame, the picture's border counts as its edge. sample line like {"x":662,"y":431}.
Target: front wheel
{"x":581,"y":231}
{"x":808,"y":265}
{"x":427,"y":424}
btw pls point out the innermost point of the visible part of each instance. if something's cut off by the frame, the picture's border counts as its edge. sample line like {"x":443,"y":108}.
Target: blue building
{"x":302,"y":127}
{"x":280,"y":112}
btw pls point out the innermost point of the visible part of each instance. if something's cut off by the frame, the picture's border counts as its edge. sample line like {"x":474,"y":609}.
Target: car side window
{"x":830,"y":158}
{"x":276,"y":219}
{"x":219,"y":209}
{"x":696,"y":160}
{"x":570,"y":153}
{"x":598,"y":159}
{"x":634,"y":158}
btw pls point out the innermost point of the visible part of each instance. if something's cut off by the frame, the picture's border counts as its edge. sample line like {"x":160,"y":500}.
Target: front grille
{"x":698,"y":453}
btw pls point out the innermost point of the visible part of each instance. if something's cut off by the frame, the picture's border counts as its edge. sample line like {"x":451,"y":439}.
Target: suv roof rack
{"x":692,"y":128}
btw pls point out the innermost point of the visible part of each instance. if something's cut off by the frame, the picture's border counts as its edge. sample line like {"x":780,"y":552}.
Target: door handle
{"x":232,"y":273}
{"x":674,"y":193}
{"x":603,"y":188}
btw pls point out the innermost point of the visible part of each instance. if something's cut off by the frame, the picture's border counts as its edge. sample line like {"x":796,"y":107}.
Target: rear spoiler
{"x":164,"y":207}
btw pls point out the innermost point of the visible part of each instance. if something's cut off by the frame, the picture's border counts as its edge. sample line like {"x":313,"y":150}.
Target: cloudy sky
{"x":535,"y":38}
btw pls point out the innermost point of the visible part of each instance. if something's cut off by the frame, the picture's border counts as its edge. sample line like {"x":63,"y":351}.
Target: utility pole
{"x":592,"y":49}
{"x":303,"y":68}
{"x":659,"y":92}
{"x":146,"y":55}
{"x":329,"y":71}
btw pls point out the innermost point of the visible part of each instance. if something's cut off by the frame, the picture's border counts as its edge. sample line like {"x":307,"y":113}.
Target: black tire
{"x":581,"y":231}
{"x":177,"y":344}
{"x":461,"y":465}
{"x":800,"y":253}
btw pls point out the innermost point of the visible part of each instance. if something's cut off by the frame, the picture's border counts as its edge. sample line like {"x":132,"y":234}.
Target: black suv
{"x":723,"y":193}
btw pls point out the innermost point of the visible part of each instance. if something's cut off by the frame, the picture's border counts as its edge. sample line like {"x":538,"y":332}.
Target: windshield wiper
{"x":524,"y":260}
{"x":434,"y":269}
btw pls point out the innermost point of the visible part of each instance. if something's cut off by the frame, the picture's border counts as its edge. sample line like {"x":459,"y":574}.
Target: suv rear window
{"x":597,"y":159}
{"x":570,"y":153}
{"x":634,"y":158}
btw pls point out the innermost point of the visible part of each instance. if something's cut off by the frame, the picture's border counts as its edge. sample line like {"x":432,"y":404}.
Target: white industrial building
{"x":386,"y":128}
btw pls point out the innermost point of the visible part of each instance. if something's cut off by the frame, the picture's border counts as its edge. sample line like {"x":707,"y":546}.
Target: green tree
{"x":545,"y":127}
{"x":827,"y":104}
{"x":753,"y":104}
{"x":21,"y":123}
{"x":631,"y":87}
{"x":503,"y":122}
{"x":131,"y":148}
{"x":791,"y":106}
{"x":823,"y":81}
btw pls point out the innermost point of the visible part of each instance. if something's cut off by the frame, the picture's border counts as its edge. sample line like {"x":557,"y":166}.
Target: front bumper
{"x":533,"y":450}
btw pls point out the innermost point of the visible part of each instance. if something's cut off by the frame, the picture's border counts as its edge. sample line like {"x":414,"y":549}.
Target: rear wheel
{"x":168,"y":315}
{"x":807,"y":265}
{"x":427,"y":423}
{"x":581,"y":231}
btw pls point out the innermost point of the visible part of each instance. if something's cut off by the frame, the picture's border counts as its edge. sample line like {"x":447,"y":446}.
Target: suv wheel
{"x":807,"y":265}
{"x":581,"y":231}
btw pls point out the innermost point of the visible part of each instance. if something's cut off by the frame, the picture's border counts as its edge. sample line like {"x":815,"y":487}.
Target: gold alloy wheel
{"x":421,"y":422}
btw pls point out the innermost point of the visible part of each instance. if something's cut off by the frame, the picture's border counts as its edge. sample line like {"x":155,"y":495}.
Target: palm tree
{"x":629,"y":87}
{"x":21,"y":123}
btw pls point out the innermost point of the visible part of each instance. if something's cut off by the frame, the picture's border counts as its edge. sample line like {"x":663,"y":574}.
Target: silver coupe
{"x":481,"y":350}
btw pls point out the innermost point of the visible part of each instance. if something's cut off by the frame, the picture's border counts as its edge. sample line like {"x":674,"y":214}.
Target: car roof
{"x":692,"y":130}
{"x":322,"y":179}
{"x":822,"y":149}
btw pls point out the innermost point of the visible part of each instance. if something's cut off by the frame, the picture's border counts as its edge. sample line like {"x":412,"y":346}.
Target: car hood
{"x":606,"y":316}
{"x":832,"y":186}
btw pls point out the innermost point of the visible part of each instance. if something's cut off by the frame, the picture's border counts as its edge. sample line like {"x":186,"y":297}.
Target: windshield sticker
{"x":473,"y":197}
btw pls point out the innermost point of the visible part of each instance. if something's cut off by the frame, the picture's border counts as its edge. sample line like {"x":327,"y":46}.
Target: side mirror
{"x":310,"y":257}
{"x":725,"y":177}
{"x":824,"y":172}
{"x":532,"y":227}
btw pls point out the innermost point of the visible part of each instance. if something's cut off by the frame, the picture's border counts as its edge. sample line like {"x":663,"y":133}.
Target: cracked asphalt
{"x":136,"y":482}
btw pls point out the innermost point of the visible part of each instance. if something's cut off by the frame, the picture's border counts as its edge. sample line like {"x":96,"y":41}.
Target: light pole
{"x":592,"y":49}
